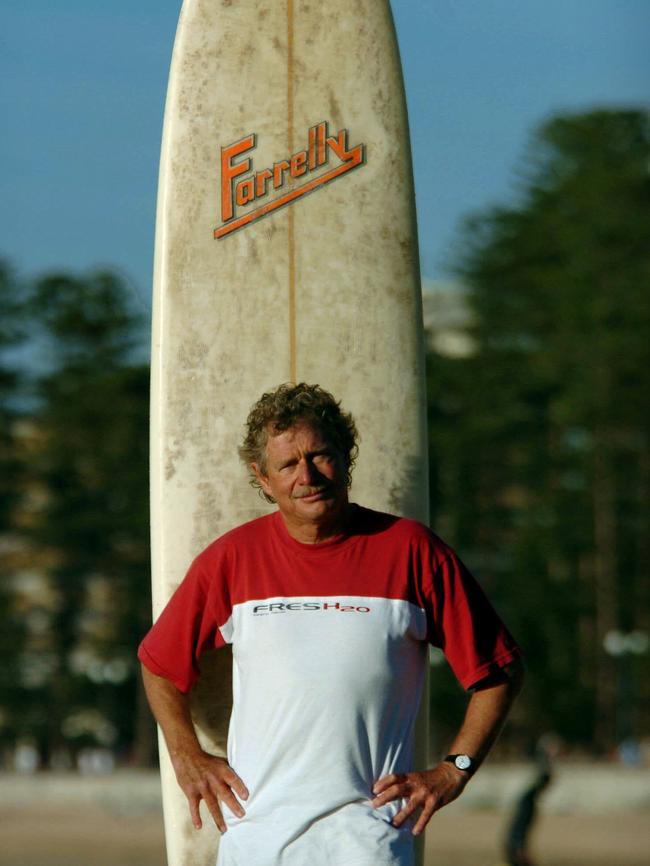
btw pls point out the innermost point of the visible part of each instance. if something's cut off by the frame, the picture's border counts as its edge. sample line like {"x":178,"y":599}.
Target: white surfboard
{"x":286,"y":249}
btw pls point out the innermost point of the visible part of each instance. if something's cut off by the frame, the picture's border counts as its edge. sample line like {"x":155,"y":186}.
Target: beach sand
{"x":45,"y":822}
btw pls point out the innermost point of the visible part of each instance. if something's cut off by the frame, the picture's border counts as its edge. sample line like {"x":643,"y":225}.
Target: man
{"x":518,"y":835}
{"x":329,"y":608}
{"x":517,"y":838}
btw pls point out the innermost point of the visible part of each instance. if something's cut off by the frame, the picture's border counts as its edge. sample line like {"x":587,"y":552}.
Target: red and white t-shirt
{"x":329,"y":653}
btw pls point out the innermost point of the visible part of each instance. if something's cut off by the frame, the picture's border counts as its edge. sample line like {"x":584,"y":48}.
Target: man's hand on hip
{"x":200,"y":775}
{"x":429,"y":791}
{"x":206,"y":777}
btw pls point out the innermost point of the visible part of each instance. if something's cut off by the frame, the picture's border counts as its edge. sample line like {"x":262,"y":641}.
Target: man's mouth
{"x":310,"y":492}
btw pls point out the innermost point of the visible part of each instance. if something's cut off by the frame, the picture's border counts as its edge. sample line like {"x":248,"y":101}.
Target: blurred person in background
{"x":517,"y":838}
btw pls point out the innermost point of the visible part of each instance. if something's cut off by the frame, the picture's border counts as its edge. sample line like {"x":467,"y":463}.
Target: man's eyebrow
{"x":286,"y":461}
{"x":315,"y":452}
{"x":324,"y":450}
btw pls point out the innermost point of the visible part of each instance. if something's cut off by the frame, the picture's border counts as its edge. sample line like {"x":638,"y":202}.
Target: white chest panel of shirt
{"x":325,"y":694}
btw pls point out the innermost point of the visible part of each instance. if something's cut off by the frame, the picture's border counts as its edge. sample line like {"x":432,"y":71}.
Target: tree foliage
{"x":539,"y":438}
{"x":12,"y":306}
{"x":12,"y":475}
{"x":86,"y":524}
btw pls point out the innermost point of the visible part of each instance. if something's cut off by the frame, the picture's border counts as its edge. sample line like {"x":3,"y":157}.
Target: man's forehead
{"x":300,"y":433}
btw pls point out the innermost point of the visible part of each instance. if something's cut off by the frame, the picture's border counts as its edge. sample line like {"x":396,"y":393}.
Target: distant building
{"x":447,"y":319}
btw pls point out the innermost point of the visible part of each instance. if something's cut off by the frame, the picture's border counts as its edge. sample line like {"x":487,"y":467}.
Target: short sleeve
{"x":464,"y":624}
{"x":187,"y":626}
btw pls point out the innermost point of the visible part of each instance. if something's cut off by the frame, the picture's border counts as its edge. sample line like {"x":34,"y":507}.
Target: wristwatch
{"x":463,"y":762}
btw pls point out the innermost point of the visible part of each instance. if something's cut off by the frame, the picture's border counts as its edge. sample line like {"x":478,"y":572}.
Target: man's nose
{"x":307,"y":472}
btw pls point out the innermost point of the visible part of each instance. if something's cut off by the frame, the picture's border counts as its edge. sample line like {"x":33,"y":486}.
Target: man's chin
{"x":316,"y":507}
{"x":324,"y":506}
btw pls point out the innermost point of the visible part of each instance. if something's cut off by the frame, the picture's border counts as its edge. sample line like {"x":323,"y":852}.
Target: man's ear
{"x":262,"y":479}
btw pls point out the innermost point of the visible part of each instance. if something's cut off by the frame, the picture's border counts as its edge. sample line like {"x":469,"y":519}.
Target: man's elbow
{"x":516,"y":674}
{"x":510,"y":675}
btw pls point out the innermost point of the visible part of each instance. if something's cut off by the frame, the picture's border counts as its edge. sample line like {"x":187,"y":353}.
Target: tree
{"x":540,"y":436}
{"x":91,"y":530}
{"x":12,"y":474}
{"x":11,"y":382}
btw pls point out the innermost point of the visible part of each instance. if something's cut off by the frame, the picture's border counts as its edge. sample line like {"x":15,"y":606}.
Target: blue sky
{"x":82,"y":88}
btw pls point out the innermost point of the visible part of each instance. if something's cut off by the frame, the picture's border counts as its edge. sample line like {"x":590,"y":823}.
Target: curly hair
{"x":290,"y":404}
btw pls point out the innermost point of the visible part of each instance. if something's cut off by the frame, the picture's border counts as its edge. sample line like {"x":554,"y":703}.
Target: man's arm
{"x":200,"y":775}
{"x":432,"y":789}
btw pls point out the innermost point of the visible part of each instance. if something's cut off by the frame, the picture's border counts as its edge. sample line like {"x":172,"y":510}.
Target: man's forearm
{"x":430,"y":790}
{"x":486,"y":713}
{"x":171,"y":709}
{"x":201,"y":776}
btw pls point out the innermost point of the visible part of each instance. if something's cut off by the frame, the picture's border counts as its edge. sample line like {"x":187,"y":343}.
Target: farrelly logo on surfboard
{"x":285,"y":607}
{"x":261,"y":192}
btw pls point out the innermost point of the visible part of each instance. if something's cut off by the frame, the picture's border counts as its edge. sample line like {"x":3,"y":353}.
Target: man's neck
{"x":315,"y":533}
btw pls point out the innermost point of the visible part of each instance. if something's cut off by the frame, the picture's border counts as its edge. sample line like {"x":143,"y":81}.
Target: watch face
{"x":463,"y":762}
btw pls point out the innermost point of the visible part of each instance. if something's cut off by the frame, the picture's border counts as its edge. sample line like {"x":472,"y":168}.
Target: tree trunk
{"x":606,"y":596}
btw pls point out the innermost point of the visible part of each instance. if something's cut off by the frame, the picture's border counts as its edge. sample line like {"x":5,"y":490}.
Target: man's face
{"x":306,"y":475}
